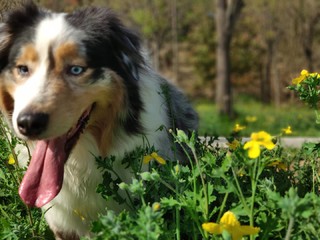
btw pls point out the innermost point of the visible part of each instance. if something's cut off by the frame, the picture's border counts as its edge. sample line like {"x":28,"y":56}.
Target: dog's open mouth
{"x":43,"y":179}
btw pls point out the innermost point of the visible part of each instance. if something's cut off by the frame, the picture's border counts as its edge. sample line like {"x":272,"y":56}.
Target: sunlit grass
{"x":268,"y":118}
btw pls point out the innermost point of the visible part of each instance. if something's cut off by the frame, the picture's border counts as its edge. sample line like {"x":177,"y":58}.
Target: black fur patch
{"x":110,"y":45}
{"x":18,"y":29}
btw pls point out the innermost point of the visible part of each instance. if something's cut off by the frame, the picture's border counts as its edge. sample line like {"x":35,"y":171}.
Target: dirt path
{"x":294,"y":142}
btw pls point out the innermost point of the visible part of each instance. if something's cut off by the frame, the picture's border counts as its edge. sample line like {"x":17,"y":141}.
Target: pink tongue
{"x":44,"y":176}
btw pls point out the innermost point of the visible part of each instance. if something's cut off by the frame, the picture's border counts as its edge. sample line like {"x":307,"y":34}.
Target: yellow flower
{"x":212,"y":228}
{"x":155,"y":156}
{"x":234,"y":144}
{"x":251,"y":118}
{"x":258,"y":139}
{"x":11,"y":160}
{"x":303,"y":75}
{"x":287,"y":130}
{"x":156,"y":206}
{"x":229,"y":223}
{"x":176,"y":169}
{"x":238,"y":128}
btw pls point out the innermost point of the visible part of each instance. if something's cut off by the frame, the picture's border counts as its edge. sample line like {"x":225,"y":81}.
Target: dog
{"x":74,"y":86}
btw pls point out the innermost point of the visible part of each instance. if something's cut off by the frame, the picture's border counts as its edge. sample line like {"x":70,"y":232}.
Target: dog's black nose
{"x":32,"y":124}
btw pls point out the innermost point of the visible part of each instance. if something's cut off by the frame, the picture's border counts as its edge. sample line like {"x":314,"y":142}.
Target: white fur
{"x":48,"y":31}
{"x":78,"y":204}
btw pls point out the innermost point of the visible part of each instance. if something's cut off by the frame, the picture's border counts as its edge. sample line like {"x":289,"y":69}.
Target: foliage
{"x":17,"y":221}
{"x":259,"y":191}
{"x":307,"y":87}
{"x":172,"y":200}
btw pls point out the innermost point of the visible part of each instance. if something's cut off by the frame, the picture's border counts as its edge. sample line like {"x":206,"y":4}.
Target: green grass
{"x":269,"y":118}
{"x":278,"y":192}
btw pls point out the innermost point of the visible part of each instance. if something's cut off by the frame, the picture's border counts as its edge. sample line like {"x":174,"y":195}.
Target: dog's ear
{"x":6,"y":102}
{"x":16,"y":21}
{"x":5,"y":43}
{"x":127,"y":50}
{"x":4,"y":36}
{"x":109,"y":42}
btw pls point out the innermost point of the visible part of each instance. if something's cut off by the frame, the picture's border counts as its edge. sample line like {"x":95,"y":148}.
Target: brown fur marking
{"x":6,"y":100}
{"x":29,"y":55}
{"x":67,"y":53}
{"x":107,"y":111}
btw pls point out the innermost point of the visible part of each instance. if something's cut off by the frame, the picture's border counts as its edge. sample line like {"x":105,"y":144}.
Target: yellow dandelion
{"x":155,"y":156}
{"x":303,"y":75}
{"x":156,"y":206}
{"x":177,"y":169}
{"x":287,"y":130}
{"x":259,"y":139}
{"x":11,"y":160}
{"x":213,"y":228}
{"x":230,"y":224}
{"x":238,"y":128}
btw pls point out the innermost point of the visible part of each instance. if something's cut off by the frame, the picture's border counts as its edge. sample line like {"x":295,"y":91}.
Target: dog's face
{"x":50,"y":81}
{"x":62,"y":74}
{"x":57,"y":67}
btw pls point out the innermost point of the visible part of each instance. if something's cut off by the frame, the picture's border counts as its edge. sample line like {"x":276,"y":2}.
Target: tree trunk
{"x":175,"y":45}
{"x":307,"y":41}
{"x":223,"y":86}
{"x":266,"y":79}
{"x":277,"y":88}
{"x":226,"y":15}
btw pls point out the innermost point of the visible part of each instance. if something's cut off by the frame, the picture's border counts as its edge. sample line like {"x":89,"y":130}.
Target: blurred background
{"x":233,"y":58}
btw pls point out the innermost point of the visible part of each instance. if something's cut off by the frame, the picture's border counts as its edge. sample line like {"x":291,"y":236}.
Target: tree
{"x":267,"y":15}
{"x":227,"y":13}
{"x":307,"y":18}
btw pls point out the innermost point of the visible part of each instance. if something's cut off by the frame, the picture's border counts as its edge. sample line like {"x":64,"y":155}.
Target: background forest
{"x":271,"y":189}
{"x":271,"y":42}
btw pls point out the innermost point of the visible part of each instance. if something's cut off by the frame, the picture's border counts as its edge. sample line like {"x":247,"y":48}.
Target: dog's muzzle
{"x":32,"y":124}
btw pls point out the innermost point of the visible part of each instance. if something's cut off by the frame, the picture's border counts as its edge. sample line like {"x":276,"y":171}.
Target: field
{"x":266,"y":117}
{"x":258,"y":190}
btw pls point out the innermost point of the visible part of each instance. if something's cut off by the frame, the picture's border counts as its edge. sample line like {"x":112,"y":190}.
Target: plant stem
{"x":30,"y":219}
{"x":204,"y":185}
{"x":177,"y":191}
{"x":178,"y":234}
{"x":253,"y":188}
{"x":168,"y":185}
{"x":239,"y":191}
{"x":222,"y":206}
{"x":290,"y":227}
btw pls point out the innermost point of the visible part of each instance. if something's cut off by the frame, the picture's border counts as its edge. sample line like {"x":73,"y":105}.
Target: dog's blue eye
{"x":76,"y":70}
{"x":23,"y":70}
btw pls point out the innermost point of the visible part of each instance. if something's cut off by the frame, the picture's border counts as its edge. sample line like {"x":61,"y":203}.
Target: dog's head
{"x":62,"y":74}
